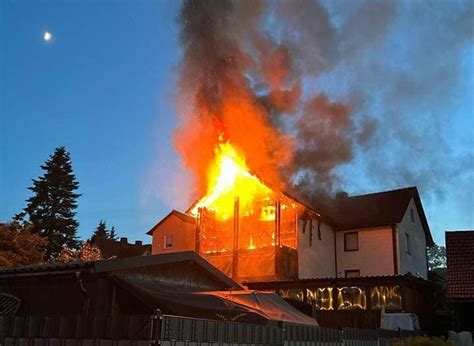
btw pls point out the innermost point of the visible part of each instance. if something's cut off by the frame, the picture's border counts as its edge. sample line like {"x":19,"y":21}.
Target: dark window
{"x":351,"y":241}
{"x":355,"y":273}
{"x":412,"y":215}
{"x":407,"y":243}
{"x":168,"y":241}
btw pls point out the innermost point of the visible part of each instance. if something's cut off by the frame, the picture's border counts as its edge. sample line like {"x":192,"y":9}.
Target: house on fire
{"x":363,"y":252}
{"x":384,"y":233}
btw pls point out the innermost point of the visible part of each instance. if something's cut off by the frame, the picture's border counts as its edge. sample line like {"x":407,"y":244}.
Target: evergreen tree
{"x":51,"y":208}
{"x":103,"y":232}
{"x":112,"y":234}
{"x":100,"y":232}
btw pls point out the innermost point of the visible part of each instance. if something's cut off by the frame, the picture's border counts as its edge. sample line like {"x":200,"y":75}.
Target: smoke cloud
{"x":322,"y":95}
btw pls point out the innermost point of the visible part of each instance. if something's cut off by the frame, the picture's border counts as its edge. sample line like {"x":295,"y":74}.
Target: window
{"x":407,"y":243}
{"x":412,"y":215}
{"x":351,"y":241}
{"x":355,"y":273}
{"x":168,"y":241}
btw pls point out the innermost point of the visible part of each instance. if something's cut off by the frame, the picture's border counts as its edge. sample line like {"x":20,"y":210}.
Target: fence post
{"x":155,"y":327}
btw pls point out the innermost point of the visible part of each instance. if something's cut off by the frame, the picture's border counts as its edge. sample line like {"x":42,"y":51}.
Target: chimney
{"x":124,"y":240}
{"x":138,"y":242}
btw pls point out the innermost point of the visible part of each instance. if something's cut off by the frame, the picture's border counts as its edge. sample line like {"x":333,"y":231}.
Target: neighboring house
{"x":176,"y":232}
{"x":460,"y":261}
{"x":384,"y":233}
{"x":110,"y":248}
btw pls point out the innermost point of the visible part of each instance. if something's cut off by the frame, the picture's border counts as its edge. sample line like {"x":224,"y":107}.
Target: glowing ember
{"x":229,"y":179}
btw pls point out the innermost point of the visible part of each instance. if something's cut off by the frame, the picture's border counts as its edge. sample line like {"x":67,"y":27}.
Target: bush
{"x":424,"y":341}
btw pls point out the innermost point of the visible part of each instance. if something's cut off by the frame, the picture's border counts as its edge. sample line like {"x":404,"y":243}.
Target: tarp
{"x":398,"y":321}
{"x":268,"y":304}
{"x":173,"y":300}
{"x":236,"y":306}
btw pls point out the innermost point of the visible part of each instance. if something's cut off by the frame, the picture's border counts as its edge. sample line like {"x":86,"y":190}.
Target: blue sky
{"x":104,"y":88}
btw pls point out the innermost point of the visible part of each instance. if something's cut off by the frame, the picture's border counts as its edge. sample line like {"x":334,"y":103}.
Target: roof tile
{"x":460,"y":259}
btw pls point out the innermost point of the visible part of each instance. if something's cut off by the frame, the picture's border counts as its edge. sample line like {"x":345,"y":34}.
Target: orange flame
{"x":251,"y":244}
{"x":229,"y":179}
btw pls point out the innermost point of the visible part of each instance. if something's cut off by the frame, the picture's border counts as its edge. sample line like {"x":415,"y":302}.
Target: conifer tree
{"x":101,"y":231}
{"x":51,"y":209}
{"x":112,"y":234}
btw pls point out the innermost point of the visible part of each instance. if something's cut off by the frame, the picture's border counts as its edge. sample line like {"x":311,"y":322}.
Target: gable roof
{"x":460,"y":260}
{"x":377,"y":209}
{"x":183,"y":217}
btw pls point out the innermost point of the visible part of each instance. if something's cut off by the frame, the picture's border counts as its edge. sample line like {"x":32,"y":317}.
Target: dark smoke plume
{"x":256,"y":71}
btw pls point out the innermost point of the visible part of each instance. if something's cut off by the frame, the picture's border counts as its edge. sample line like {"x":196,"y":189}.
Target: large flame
{"x":229,"y":179}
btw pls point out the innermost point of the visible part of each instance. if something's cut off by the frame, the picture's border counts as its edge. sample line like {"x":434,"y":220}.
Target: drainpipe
{"x":395,"y":250}
{"x":335,"y":253}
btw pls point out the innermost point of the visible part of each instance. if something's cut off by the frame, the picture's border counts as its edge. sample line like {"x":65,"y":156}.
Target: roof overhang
{"x":182,"y":216}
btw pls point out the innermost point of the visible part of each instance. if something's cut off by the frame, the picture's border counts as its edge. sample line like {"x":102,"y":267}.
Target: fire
{"x":251,"y":244}
{"x":229,"y":179}
{"x":244,"y":228}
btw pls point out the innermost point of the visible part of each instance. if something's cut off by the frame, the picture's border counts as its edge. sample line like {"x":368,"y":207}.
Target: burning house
{"x":241,"y":226}
{"x":368,"y":255}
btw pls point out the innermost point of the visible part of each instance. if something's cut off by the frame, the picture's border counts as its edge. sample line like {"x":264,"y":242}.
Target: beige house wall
{"x":184,"y":236}
{"x":375,"y":254}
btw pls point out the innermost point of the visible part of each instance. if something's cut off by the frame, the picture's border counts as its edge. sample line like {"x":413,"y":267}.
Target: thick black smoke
{"x":273,"y":57}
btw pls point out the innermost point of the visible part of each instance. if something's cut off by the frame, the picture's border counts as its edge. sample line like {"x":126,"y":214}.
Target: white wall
{"x":415,"y":261}
{"x":317,"y":260}
{"x":375,"y":254}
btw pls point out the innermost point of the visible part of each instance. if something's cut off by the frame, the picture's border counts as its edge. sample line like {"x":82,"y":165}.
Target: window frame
{"x":345,"y":241}
{"x":407,"y":244}
{"x":165,"y":241}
